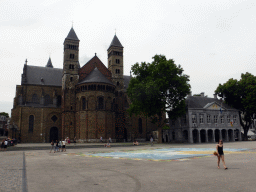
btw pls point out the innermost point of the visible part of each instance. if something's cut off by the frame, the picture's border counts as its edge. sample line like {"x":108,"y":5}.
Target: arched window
{"x":31,"y":124}
{"x":58,"y":101}
{"x":47,"y":100}
{"x":140,"y":125}
{"x":35,"y":99}
{"x":83,"y":104}
{"x":100,"y":103}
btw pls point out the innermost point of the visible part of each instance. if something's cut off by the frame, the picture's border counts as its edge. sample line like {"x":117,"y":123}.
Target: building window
{"x":234,"y":118}
{"x":118,"y":61}
{"x":117,"y":71}
{"x":71,"y":79}
{"x":208,"y":119}
{"x":71,"y":66}
{"x":222,"y":119}
{"x":35,"y":99}
{"x":31,"y":124}
{"x":201,"y":119}
{"x":100,"y":103}
{"x":228,"y":119}
{"x":215,"y":119}
{"x":72,"y":56}
{"x":83,"y":104}
{"x":193,"y":118}
{"x":47,"y":100}
{"x":117,"y":83}
{"x":140,"y":125}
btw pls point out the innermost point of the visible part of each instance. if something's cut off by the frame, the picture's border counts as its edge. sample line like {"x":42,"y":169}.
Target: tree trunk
{"x":160,"y":135}
{"x":246,"y":133}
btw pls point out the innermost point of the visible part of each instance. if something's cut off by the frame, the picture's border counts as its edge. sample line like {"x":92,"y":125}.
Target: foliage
{"x":4,"y":114}
{"x":158,"y":88}
{"x":166,"y":127}
{"x":241,"y":95}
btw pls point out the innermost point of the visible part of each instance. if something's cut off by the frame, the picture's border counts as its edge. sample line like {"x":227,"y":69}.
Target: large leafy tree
{"x":241,"y":95}
{"x":4,"y":114}
{"x":158,"y":88}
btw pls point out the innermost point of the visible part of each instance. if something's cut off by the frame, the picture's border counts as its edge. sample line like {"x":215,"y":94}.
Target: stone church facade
{"x":84,"y":102}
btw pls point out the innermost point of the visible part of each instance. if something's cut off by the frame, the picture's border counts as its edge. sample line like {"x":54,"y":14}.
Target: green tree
{"x":241,"y":95}
{"x":4,"y":114}
{"x":158,"y":88}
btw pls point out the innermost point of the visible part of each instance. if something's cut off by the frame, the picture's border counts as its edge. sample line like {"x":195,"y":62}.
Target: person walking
{"x":56,"y":146}
{"x":151,"y":141}
{"x":52,"y":146}
{"x":63,"y":145}
{"x":5,"y":144}
{"x":219,"y":148}
{"x":101,"y":140}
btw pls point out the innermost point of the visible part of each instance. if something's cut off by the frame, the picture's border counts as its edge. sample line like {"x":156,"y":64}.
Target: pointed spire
{"x":72,"y":35}
{"x":26,"y":62}
{"x":115,"y":42}
{"x":49,"y":63}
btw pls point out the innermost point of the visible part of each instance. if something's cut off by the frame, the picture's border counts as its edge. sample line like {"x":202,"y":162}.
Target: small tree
{"x":158,"y":88}
{"x":241,"y":95}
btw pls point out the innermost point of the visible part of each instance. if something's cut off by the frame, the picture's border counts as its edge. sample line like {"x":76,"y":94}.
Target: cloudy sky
{"x":213,"y":40}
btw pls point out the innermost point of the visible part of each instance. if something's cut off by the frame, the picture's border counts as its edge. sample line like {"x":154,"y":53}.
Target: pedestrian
{"x":2,"y":145}
{"x":74,"y":140}
{"x":63,"y":145}
{"x":5,"y":144}
{"x":109,"y":140}
{"x":151,"y":141}
{"x":56,"y":146}
{"x":60,"y":146}
{"x":219,"y":148}
{"x":101,"y":140}
{"x":52,"y":146}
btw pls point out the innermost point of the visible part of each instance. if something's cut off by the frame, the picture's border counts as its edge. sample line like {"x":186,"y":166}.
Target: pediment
{"x":213,"y":106}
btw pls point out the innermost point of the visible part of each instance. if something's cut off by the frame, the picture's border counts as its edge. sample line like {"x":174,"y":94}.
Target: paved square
{"x":123,"y":167}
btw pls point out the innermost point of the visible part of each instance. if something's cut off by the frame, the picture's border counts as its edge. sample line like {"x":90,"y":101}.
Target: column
{"x":190,"y":136}
{"x":199,"y":136}
{"x":206,"y":135}
{"x":220,"y":135}
{"x":213,"y":136}
{"x":239,"y":135}
{"x":226,"y":135}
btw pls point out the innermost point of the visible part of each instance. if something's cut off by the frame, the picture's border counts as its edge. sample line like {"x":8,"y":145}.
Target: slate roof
{"x":49,"y":63}
{"x":95,"y":77}
{"x":127,"y":80}
{"x":72,"y":35}
{"x":197,"y":102}
{"x":43,"y":76}
{"x":115,"y":42}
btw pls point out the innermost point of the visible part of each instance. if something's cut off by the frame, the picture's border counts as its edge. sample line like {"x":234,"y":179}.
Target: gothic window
{"x":117,"y":61}
{"x":54,"y":118}
{"x":208,"y":119}
{"x":71,"y":79}
{"x":117,"y":83}
{"x":58,"y":101}
{"x":83,"y":104}
{"x":140,"y":125}
{"x":35,"y":99}
{"x":47,"y":100}
{"x":201,"y":119}
{"x":72,"y":56}
{"x":100,"y":103}
{"x":31,"y":124}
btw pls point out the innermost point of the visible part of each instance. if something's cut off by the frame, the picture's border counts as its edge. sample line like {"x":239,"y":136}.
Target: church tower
{"x":70,"y":78}
{"x":115,"y":62}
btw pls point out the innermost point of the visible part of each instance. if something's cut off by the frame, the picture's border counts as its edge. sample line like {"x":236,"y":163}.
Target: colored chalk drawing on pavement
{"x":165,"y":154}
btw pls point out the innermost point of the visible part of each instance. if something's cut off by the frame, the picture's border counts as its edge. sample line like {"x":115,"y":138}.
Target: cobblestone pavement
{"x":12,"y":173}
{"x":77,"y":170}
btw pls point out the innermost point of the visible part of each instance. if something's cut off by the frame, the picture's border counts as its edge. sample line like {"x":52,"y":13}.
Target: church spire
{"x":72,"y":35}
{"x":115,"y":42}
{"x":49,"y":63}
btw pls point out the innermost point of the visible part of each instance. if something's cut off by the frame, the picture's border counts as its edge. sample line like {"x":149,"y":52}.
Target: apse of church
{"x":85,"y":102}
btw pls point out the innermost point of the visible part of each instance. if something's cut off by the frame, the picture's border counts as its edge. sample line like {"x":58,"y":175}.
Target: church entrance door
{"x":54,"y":134}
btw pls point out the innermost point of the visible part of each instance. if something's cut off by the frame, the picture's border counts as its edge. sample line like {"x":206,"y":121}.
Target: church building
{"x":85,"y":102}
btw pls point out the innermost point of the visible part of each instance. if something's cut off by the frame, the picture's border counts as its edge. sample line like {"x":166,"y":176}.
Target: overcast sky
{"x":213,"y":40}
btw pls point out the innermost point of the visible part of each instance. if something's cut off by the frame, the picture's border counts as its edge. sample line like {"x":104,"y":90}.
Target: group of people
{"x":58,"y":146}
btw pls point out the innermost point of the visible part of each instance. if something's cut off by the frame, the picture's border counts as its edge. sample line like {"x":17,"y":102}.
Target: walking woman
{"x":220,"y":152}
